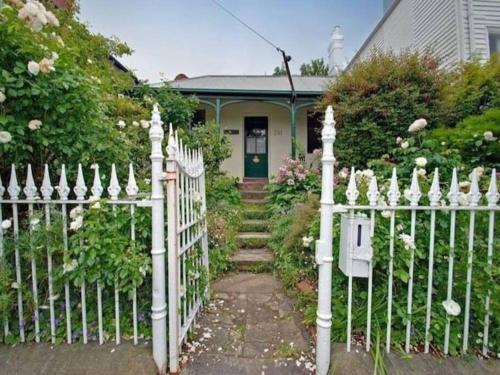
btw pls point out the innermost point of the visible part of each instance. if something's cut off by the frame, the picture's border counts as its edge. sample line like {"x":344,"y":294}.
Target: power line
{"x":247,"y":25}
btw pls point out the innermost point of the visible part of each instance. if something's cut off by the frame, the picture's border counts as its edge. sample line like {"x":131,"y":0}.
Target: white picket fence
{"x":187,"y":244}
{"x":470,"y":203}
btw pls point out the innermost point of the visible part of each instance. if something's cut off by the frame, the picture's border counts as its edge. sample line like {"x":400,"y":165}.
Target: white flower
{"x":479,"y":172}
{"x":463,"y":199}
{"x":399,"y":140}
{"x":421,"y":172}
{"x":96,"y":205}
{"x":55,"y":56}
{"x":145,"y":124}
{"x":93,"y":166}
{"x":142,"y":270}
{"x":90,"y":61}
{"x":367,"y":173}
{"x":306,"y":241}
{"x":408,"y":241}
{"x":488,"y":136}
{"x":343,"y":174}
{"x":417,"y":125}
{"x":386,"y":214}
{"x":33,"y":67}
{"x":147,"y":181}
{"x":46,"y":65}
{"x":121,"y":124}
{"x":14,"y":285}
{"x":68,"y":267}
{"x":452,"y":308}
{"x":52,"y":19}
{"x":196,"y":197}
{"x":76,"y":224}
{"x":2,"y":97}
{"x":34,"y":124}
{"x":34,"y":222}
{"x":5,"y":137}
{"x":6,"y":224}
{"x":421,"y":162}
{"x":405,"y":145}
{"x":135,"y":123}
{"x":75,"y":212}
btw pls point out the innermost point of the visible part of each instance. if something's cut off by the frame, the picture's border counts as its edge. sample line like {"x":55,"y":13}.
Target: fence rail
{"x":457,"y":203}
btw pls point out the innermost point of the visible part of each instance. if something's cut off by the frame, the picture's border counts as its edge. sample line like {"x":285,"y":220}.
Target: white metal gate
{"x":457,"y":202}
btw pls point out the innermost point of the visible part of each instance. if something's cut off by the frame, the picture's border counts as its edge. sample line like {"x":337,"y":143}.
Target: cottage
{"x":259,"y":117}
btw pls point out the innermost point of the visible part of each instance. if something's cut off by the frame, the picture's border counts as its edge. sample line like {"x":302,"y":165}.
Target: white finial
{"x":156,"y":129}
{"x":492,"y":195}
{"x":171,"y":147}
{"x":97,"y":188}
{"x":131,"y":188}
{"x":393,"y":194}
{"x":435,"y":192}
{"x":80,"y":189}
{"x":46,"y":188}
{"x":63,"y":188}
{"x":30,"y":188}
{"x":454,"y":193}
{"x":114,"y":187}
{"x":474,"y":193}
{"x":13,"y":187}
{"x":373,"y":193}
{"x":352,"y":192}
{"x":413,"y":195}
{"x":328,"y":133}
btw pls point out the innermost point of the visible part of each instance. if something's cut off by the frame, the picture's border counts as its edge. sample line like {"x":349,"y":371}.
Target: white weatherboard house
{"x":455,"y":30}
{"x":257,"y":114}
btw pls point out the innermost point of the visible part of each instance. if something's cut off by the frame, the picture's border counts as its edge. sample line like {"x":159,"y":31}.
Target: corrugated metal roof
{"x":251,"y":83}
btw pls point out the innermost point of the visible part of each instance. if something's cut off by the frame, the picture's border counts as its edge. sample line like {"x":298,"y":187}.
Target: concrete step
{"x":255,"y":214}
{"x":252,"y":240}
{"x":253,"y":260}
{"x":254,"y":201}
{"x":253,"y":194}
{"x":254,"y":225}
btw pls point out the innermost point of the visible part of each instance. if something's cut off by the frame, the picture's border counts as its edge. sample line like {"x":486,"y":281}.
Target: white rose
{"x":55,"y":56}
{"x":34,"y":222}
{"x":488,"y":136}
{"x":421,"y":162}
{"x":2,"y":97}
{"x":5,"y":137}
{"x":121,"y":124}
{"x":6,"y":224}
{"x":33,"y":67}
{"x":34,"y":124}
{"x":343,"y":174}
{"x":386,"y":214}
{"x":417,"y":125}
{"x":96,"y":205}
{"x":367,"y":173}
{"x":75,"y":212}
{"x":68,"y":267}
{"x":145,"y":124}
{"x":306,"y":241}
{"x":421,"y":172}
{"x":408,"y":241}
{"x":76,"y":224}
{"x":46,"y":65}
{"x":135,"y":123}
{"x":52,"y":19}
{"x":399,"y":140}
{"x":452,"y":308}
{"x":405,"y":145}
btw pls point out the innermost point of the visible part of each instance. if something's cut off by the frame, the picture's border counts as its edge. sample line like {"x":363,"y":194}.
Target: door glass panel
{"x":261,"y":145}
{"x":251,"y":145}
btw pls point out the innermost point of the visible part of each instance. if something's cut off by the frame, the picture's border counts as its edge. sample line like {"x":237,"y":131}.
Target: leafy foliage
{"x":317,"y":67}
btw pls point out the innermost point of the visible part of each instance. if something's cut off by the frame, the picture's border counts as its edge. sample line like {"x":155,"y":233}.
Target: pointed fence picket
{"x":470,"y":203}
{"x":187,"y":248}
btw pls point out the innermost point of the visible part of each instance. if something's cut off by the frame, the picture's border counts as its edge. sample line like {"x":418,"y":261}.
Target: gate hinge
{"x":322,"y":255}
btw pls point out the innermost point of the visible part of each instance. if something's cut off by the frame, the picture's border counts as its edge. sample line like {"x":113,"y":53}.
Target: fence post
{"x":173,"y":265}
{"x":159,"y":306}
{"x":324,"y":247}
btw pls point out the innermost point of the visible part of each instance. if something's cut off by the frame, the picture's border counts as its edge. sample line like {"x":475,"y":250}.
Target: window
{"x":494,"y":39}
{"x":314,"y":126}
{"x":199,"y":117}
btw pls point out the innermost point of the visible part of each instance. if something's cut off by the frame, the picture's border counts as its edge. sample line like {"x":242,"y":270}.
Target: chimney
{"x":336,"y":56}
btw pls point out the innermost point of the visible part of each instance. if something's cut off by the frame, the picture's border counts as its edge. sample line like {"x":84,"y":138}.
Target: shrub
{"x":377,"y":99}
{"x":472,"y":89}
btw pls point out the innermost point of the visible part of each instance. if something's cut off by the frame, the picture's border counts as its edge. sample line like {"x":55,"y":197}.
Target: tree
{"x":279,"y":71}
{"x":317,"y":67}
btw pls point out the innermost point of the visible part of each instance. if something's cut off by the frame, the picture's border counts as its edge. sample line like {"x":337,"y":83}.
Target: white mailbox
{"x":355,"y":245}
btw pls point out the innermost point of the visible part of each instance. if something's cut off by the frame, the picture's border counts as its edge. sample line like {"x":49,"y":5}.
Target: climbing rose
{"x":405,"y":145}
{"x":386,"y":214}
{"x":451,"y":307}
{"x":408,"y":241}
{"x":145,"y":124}
{"x":421,"y":162}
{"x":399,"y":140}
{"x":5,"y":137}
{"x":34,"y":124}
{"x":135,"y":123}
{"x":6,"y":224}
{"x":121,"y":124}
{"x":488,"y":136}
{"x":46,"y":65}
{"x":417,"y":125}
{"x":33,"y":67}
{"x":421,"y":172}
{"x":2,"y":97}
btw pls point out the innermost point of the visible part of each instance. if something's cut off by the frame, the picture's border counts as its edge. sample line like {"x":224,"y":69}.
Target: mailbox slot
{"x":355,"y":245}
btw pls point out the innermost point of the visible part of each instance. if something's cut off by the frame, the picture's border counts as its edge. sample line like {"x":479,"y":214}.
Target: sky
{"x":196,"y":37}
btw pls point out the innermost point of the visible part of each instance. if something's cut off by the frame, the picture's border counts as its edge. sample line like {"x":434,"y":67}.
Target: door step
{"x":252,"y":240}
{"x":257,"y":260}
{"x":254,"y":225}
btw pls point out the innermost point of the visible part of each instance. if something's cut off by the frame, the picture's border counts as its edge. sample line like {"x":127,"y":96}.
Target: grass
{"x":285,"y":350}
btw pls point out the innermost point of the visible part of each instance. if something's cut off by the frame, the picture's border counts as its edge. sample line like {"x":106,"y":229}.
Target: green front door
{"x":256,"y":147}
